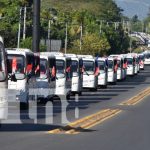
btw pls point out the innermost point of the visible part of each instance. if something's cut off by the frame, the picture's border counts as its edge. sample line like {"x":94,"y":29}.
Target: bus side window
{"x":81,"y":69}
{"x":68,"y":69}
{"x":30,"y":69}
{"x":37,"y":66}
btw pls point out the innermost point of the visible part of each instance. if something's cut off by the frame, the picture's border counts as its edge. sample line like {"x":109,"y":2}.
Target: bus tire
{"x":68,"y":97}
{"x":80,"y":93}
{"x":114,"y":83}
{"x":104,"y":86}
{"x":95,"y":89}
{"x":24,"y":106}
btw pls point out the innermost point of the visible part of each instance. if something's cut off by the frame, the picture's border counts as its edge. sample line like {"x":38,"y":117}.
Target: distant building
{"x":52,"y":45}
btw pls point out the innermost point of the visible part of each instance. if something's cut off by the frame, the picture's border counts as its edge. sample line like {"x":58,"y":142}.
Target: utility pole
{"x":49,"y":34}
{"x":100,"y":27}
{"x":36,"y":25}
{"x":130,"y":31}
{"x":142,"y":26}
{"x":81,"y":27}
{"x":19,"y":29}
{"x":24,"y":23}
{"x":66,"y":39}
{"x":115,"y":25}
{"x":123,"y":25}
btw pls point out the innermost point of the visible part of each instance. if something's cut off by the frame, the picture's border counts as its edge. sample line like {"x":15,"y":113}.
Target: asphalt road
{"x":129,"y":130}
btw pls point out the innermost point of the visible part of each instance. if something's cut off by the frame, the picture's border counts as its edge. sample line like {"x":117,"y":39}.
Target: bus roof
{"x":19,"y":51}
{"x":102,"y":59}
{"x":71,"y":55}
{"x":86,"y":56}
{"x":52,"y":54}
{"x":111,"y":58}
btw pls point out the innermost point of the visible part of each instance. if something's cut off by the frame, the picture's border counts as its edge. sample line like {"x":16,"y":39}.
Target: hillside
{"x":91,"y":5}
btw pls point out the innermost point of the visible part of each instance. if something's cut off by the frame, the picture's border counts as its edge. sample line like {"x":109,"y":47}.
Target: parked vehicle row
{"x":62,"y":75}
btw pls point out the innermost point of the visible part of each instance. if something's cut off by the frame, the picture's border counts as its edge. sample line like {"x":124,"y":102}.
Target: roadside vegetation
{"x":94,"y":26}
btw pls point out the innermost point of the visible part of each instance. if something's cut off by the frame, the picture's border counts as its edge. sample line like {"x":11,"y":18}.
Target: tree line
{"x":93,"y":26}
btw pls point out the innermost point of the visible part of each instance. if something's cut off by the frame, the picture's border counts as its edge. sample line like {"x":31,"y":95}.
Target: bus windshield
{"x":2,"y":66}
{"x":147,"y":56}
{"x":101,"y":65}
{"x":16,"y":64}
{"x":60,"y":68}
{"x":141,"y":57}
{"x":110,"y":64}
{"x":130,"y":61}
{"x":88,"y":66}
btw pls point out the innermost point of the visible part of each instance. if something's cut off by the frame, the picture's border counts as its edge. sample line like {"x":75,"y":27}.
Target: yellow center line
{"x":90,"y":121}
{"x":137,"y":98}
{"x":86,"y":122}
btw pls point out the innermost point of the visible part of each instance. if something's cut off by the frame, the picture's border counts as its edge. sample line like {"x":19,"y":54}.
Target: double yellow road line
{"x":89,"y":121}
{"x":136,"y":99}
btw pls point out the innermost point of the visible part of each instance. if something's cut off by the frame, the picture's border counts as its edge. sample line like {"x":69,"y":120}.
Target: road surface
{"x":128,"y":130}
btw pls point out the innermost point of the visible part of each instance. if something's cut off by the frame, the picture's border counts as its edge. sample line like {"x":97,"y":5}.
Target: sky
{"x":134,"y":7}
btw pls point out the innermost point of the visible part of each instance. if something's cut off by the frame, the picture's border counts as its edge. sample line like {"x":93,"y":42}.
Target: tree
{"x":87,"y":13}
{"x":92,"y":44}
{"x":136,"y":24}
{"x":10,"y":11}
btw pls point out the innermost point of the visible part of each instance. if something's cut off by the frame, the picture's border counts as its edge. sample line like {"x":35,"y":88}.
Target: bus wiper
{"x":86,"y":72}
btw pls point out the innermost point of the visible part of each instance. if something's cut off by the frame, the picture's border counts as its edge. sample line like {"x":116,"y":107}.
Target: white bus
{"x":3,"y":83}
{"x":102,"y":77}
{"x":60,"y":74}
{"x":77,"y":76}
{"x":43,"y":81}
{"x":112,"y":70}
{"x":131,"y":65}
{"x":147,"y":57}
{"x":123,"y":56}
{"x":136,"y":62}
{"x":141,"y":61}
{"x":119,"y":66}
{"x":21,"y":74}
{"x":90,"y":80}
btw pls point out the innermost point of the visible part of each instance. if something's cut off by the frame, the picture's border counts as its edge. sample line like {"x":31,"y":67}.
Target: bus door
{"x":81,"y":71}
{"x":30,"y":74}
{"x":69,"y":73}
{"x":52,"y":69}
